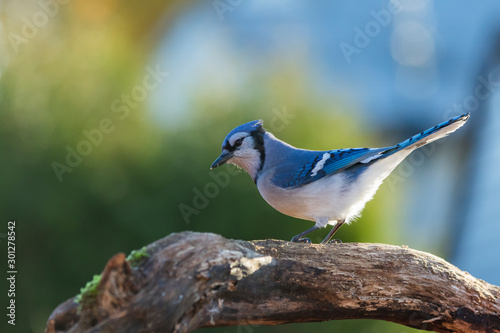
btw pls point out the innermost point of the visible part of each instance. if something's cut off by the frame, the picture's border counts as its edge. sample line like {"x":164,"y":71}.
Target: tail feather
{"x":430,"y":135}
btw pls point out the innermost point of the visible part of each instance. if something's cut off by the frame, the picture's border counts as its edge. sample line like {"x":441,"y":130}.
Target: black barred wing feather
{"x":326,"y":163}
{"x":330,"y":162}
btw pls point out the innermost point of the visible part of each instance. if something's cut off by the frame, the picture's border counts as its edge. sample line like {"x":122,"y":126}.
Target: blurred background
{"x":111,"y":113}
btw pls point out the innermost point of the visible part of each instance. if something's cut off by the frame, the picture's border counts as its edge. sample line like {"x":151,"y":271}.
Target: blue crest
{"x":252,"y":126}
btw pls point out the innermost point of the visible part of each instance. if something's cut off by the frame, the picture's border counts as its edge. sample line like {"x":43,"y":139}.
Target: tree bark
{"x":192,"y":280}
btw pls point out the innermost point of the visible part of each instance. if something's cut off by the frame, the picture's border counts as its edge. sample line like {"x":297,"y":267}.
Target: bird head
{"x":244,"y":147}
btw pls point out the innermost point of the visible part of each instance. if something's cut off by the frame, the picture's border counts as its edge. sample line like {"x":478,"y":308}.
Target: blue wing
{"x":326,"y":163}
{"x":330,"y":162}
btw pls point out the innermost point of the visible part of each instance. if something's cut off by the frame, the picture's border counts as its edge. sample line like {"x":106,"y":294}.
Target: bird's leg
{"x":299,"y":239}
{"x":332,"y":232}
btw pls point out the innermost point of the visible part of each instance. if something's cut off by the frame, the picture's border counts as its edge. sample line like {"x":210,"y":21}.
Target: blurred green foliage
{"x":126,"y":193}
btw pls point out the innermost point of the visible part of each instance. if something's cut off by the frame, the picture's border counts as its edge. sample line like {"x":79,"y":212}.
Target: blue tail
{"x":431,"y":134}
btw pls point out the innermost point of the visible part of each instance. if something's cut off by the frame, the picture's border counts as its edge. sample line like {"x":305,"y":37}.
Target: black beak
{"x":222,"y":159}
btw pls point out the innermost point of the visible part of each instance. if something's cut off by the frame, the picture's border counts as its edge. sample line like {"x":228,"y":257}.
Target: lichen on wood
{"x":192,"y":280}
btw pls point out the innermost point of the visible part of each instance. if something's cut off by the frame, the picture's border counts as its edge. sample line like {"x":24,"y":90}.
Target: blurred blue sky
{"x":415,"y":66}
{"x":401,"y":66}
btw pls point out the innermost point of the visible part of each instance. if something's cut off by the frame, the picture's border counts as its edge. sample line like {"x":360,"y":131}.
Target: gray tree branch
{"x":192,"y":280}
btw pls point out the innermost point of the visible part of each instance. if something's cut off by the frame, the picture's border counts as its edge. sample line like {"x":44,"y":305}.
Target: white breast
{"x":310,"y":202}
{"x":332,"y":198}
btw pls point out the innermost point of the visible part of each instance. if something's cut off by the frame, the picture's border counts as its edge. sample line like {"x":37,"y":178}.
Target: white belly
{"x":330,"y":199}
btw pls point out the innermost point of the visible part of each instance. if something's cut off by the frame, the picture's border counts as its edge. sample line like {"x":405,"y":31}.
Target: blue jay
{"x":327,"y":187}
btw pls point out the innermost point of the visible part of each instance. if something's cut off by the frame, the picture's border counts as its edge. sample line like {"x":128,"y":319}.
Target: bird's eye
{"x":238,"y":142}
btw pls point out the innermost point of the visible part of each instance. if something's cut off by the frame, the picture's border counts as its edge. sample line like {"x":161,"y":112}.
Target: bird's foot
{"x":300,"y":240}
{"x":335,"y":241}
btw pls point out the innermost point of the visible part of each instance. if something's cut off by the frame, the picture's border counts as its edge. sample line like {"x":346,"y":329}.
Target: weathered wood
{"x":194,"y":280}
